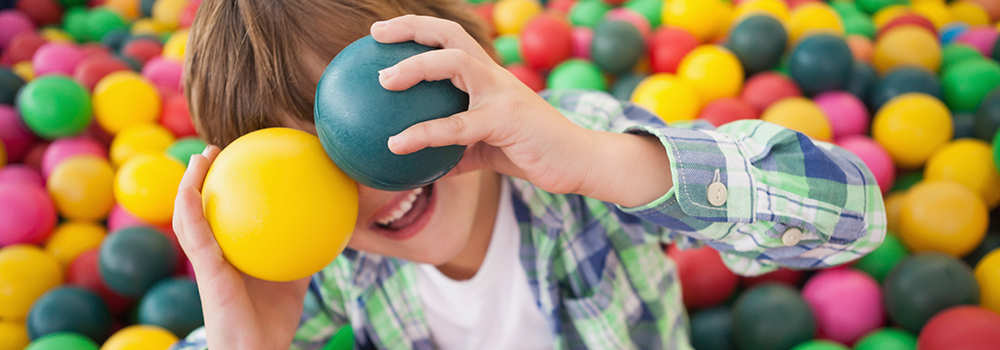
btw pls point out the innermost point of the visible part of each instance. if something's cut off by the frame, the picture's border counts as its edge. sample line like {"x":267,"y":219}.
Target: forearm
{"x":630,"y":170}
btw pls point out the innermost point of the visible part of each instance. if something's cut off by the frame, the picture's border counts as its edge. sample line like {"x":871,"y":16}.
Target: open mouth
{"x":406,"y":215}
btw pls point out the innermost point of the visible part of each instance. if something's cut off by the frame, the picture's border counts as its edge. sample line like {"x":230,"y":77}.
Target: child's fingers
{"x":465,"y":72}
{"x":430,"y":31}
{"x":465,"y":128}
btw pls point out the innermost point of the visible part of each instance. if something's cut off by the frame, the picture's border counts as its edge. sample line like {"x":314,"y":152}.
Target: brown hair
{"x":248,"y":61}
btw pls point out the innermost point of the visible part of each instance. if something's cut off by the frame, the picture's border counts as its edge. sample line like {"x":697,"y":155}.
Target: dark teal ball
{"x":133,"y":259}
{"x":903,"y":80}
{"x":821,"y":63}
{"x":10,"y":84}
{"x":355,"y":116}
{"x":69,"y":309}
{"x":772,"y":317}
{"x":174,"y":305}
{"x":988,"y":116}
{"x":861,"y":80}
{"x":758,"y":41}
{"x":925,"y":284}
{"x":625,"y":85}
{"x":712,"y":329}
{"x":616,"y":46}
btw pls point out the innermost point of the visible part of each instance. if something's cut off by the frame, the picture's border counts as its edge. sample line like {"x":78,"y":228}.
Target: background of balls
{"x":95,"y":136}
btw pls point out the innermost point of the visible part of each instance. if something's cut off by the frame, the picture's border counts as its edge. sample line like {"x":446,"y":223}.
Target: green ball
{"x":509,"y":48}
{"x":967,"y":83}
{"x":988,"y":116}
{"x":174,"y":305}
{"x":75,"y":23}
{"x":759,"y":42}
{"x":772,"y":316}
{"x":342,"y":340}
{"x":922,"y":285}
{"x":71,"y":3}
{"x":957,"y":53}
{"x":616,"y":47}
{"x":63,"y":341}
{"x":872,"y":6}
{"x":182,"y":150}
{"x":625,"y":85}
{"x":887,"y":339}
{"x":990,"y":243}
{"x":904,"y":182}
{"x":102,"y":20}
{"x":577,"y":74}
{"x":652,"y":10}
{"x":820,"y":345}
{"x":10,"y":84}
{"x":859,"y":24}
{"x":879,"y":262}
{"x":861,"y":80}
{"x":845,"y":8}
{"x":69,"y":309}
{"x":712,"y":329}
{"x":588,"y":13}
{"x":55,"y":106}
{"x":965,"y":125}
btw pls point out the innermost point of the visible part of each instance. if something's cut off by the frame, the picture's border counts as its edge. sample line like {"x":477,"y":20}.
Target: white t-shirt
{"x":495,"y":309}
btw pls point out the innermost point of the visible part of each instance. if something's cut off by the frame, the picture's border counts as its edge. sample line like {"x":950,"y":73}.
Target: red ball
{"x":667,"y":48}
{"x":545,"y":42}
{"x":187,"y":15}
{"x":613,"y":2}
{"x":528,"y":76}
{"x":561,"y":6}
{"x":94,"y":49}
{"x":83,"y":272}
{"x":765,"y":88}
{"x":726,"y":110}
{"x":961,"y":327}
{"x":93,"y":68}
{"x":142,"y":49}
{"x":33,"y":157}
{"x":21,"y":48}
{"x":42,"y":12}
{"x":176,"y":117}
{"x":796,"y":3}
{"x":911,"y":19}
{"x":705,"y":280}
{"x":485,"y":12}
{"x":784,"y":276}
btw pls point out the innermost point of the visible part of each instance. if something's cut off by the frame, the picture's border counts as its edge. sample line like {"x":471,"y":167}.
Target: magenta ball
{"x":27,"y":214}
{"x":582,"y":36}
{"x":56,"y":58}
{"x":627,"y":15}
{"x":119,"y":218}
{"x":848,"y":115}
{"x":981,"y":38}
{"x":13,"y":23}
{"x":16,"y":137}
{"x":21,"y":174}
{"x":66,"y":147}
{"x":847,"y":304}
{"x":164,"y":73}
{"x":874,"y":156}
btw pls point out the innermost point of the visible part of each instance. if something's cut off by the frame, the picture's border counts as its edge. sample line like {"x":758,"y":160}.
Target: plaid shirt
{"x":598,"y":271}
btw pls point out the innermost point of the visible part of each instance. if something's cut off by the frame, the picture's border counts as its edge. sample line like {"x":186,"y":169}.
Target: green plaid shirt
{"x":598,"y":271}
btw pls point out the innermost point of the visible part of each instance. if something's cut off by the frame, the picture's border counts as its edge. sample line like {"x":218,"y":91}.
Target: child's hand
{"x":241,"y":312}
{"x":511,"y":129}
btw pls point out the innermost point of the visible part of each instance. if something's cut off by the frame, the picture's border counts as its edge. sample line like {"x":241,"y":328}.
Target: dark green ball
{"x":355,"y":116}
{"x":69,"y":309}
{"x":115,"y":39}
{"x":880,"y":261}
{"x":133,"y":259}
{"x":174,"y":305}
{"x":965,"y":125}
{"x":146,"y":7}
{"x":905,"y":181}
{"x":616,"y":46}
{"x":712,"y":329}
{"x":996,"y":51}
{"x":861,"y":80}
{"x":903,"y":80}
{"x":758,"y":41}
{"x":71,"y":3}
{"x":10,"y":84}
{"x":923,"y":285}
{"x":988,"y":116}
{"x":821,"y":63}
{"x":625,"y":85}
{"x":990,"y":243}
{"x":772,"y":317}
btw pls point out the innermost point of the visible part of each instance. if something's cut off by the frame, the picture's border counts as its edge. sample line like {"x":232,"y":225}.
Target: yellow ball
{"x":82,"y":188}
{"x":893,"y":206}
{"x":13,"y":336}
{"x":970,"y":13}
{"x":140,"y":337}
{"x":3,"y":155}
{"x":802,"y":115}
{"x":703,"y":18}
{"x":147,"y":185}
{"x":25,"y":273}
{"x":671,"y":98}
{"x":775,"y":8}
{"x":942,"y":216}
{"x":812,"y":18}
{"x":936,"y":12}
{"x":907,"y":46}
{"x":123,"y":99}
{"x":56,"y":35}
{"x":988,"y":275}
{"x":176,"y":46}
{"x":911,"y":127}
{"x":144,"y":26}
{"x":24,"y":70}
{"x":127,"y":8}
{"x":968,"y":162}
{"x":168,"y":12}
{"x":148,"y":138}
{"x":509,"y":16}
{"x":713,"y":71}
{"x":302,"y":219}
{"x":889,"y":13}
{"x":72,"y":238}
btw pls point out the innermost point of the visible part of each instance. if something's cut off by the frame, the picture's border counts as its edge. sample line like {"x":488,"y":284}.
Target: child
{"x":563,"y":250}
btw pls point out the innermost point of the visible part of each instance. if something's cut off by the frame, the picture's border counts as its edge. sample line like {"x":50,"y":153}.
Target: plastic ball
{"x":821,"y":63}
{"x":84,"y":272}
{"x":62,"y":341}
{"x":127,"y":8}
{"x":966,"y":84}
{"x":69,"y":309}
{"x":961,"y":327}
{"x":182,"y":149}
{"x":92,"y":69}
{"x":54,"y":106}
{"x":671,"y":98}
{"x":14,"y":22}
{"x":802,"y":115}
{"x":774,"y":8}
{"x":982,"y":39}
{"x":576,"y":74}
{"x":861,"y":48}
{"x":65,"y":148}
{"x":164,"y":73}
{"x":713,"y":71}
{"x":969,"y":12}
{"x":120,"y":218}
{"x":140,"y":337}
{"x":712,"y":329}
{"x":14,"y":135}
{"x":847,"y":304}
{"x":146,"y":186}
{"x":820,"y":345}
{"x":588,"y":13}
{"x":936,"y":12}
{"x":56,"y":58}
{"x":925,"y":284}
{"x":617,"y":46}
{"x":771,"y":317}
{"x":812,"y":18}
{"x":764,"y":89}
{"x":174,"y":305}
{"x":168,"y":12}
{"x":25,"y":273}
{"x":988,"y":275}
{"x":142,"y":49}
{"x":582,"y":38}
{"x":82,"y":188}
{"x":509,"y":48}
{"x":758,"y":41}
{"x":726,"y":110}
{"x":965,"y":125}
{"x":13,"y":336}
{"x":527,"y":76}
{"x":510,"y":16}
{"x":20,"y":50}
{"x":135,"y":258}
{"x":859,"y":25}
{"x":873,"y":6}
{"x":703,"y":18}
{"x":911,"y":19}
{"x":951,"y":32}
{"x":72,"y":238}
{"x":957,"y":53}
{"x":911,"y":127}
{"x":149,"y":138}
{"x":41,"y":12}
{"x":123,"y":99}
{"x":27,"y":212}
{"x":668,"y":46}
{"x":632,"y":17}
{"x":100,"y":21}
{"x":846,"y":113}
{"x":943,"y":216}
{"x":968,"y":162}
{"x":20,"y":173}
{"x":874,"y":156}
{"x":880,"y":261}
{"x":705,"y":280}
{"x":625,"y":85}
{"x":306,"y":233}
{"x":887,"y":339}
{"x":903,"y":80}
{"x":861,"y":80}
{"x":907,"y":45}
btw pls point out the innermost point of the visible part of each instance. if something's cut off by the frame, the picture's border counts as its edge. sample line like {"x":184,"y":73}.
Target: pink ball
{"x":16,"y":137}
{"x":874,"y":156}
{"x":120,"y":218}
{"x":27,"y":214}
{"x":847,"y":114}
{"x":981,"y":38}
{"x":56,"y":58}
{"x":13,"y":23}
{"x":21,"y":174}
{"x":847,"y":304}
{"x":627,"y":15}
{"x":66,"y":147}
{"x":164,"y":73}
{"x":582,"y":36}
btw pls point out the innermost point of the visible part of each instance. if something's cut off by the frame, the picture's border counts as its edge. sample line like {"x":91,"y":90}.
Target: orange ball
{"x":943,"y":216}
{"x":861,"y":48}
{"x":907,"y":46}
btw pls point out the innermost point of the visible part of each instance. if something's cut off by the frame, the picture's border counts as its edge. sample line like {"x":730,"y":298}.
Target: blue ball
{"x":69,"y":309}
{"x":133,"y":259}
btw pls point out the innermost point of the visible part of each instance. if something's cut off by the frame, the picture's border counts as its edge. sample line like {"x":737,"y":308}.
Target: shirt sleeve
{"x":781,"y":198}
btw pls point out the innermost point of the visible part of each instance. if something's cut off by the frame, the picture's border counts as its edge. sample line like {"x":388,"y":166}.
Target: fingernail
{"x":192,"y":158}
{"x":380,"y":24}
{"x":387,"y":73}
{"x":395,"y":140}
{"x":205,"y":152}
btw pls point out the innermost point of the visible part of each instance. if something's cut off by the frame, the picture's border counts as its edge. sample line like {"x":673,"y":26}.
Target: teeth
{"x":402,"y":208}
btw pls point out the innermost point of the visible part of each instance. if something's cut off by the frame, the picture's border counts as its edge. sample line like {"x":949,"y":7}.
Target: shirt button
{"x":791,"y":237}
{"x":717,"y":194}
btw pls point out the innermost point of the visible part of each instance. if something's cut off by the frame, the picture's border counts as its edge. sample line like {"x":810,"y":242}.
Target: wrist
{"x":627,"y":169}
